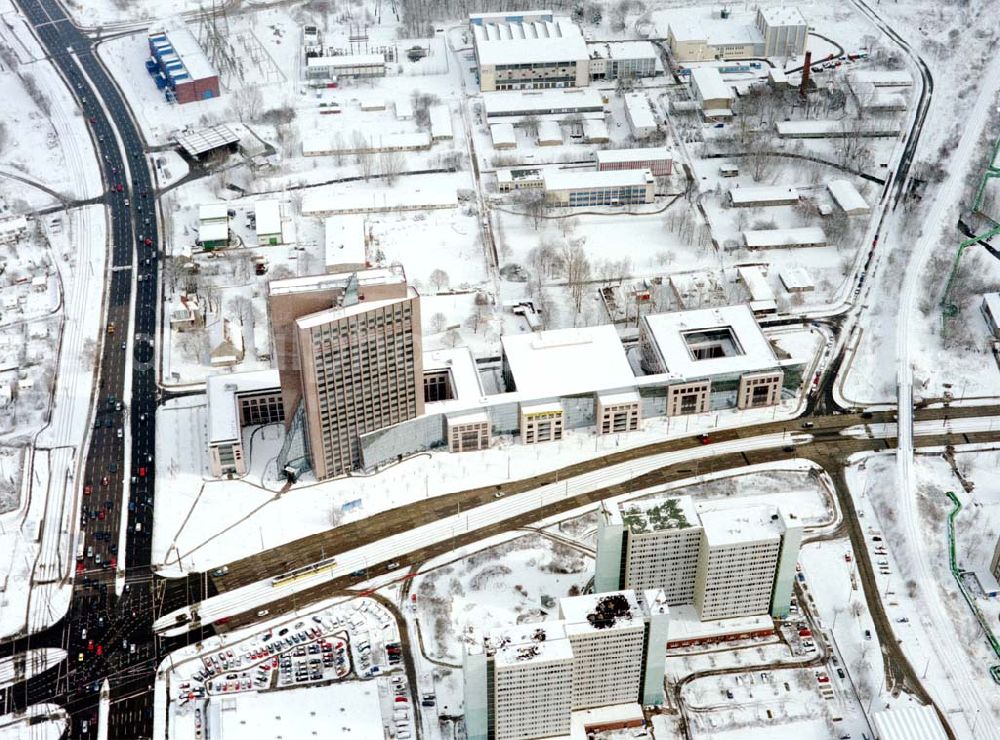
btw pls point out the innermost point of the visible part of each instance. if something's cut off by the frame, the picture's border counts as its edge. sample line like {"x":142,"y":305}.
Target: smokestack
{"x":806,"y":71}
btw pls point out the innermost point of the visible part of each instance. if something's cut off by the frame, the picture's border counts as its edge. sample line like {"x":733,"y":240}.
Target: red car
{"x":142,"y":471}
{"x":114,"y":561}
{"x":100,"y":515}
{"x":704,"y":439}
{"x":90,"y":646}
{"x":79,"y":567}
{"x":100,"y":650}
{"x":147,"y":241}
{"x":119,"y":187}
{"x":88,"y":489}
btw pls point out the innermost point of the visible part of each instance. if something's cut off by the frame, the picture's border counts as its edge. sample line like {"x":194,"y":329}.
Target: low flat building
{"x":762,"y":300}
{"x":322,"y":142}
{"x":503,"y":136}
{"x":440,"y":117}
{"x":623,"y":60}
{"x":268,"y":222}
{"x":12,"y":229}
{"x":763,"y":195}
{"x":847,"y":197}
{"x":641,"y":121}
{"x":796,"y":280}
{"x":804,"y":236}
{"x":658,"y":160}
{"x":549,"y":134}
{"x":837,"y":129}
{"x":520,"y":178}
{"x":712,"y":92}
{"x":376,"y":201}
{"x":576,"y":188}
{"x":909,"y":722}
{"x":403,"y":107}
{"x":595,"y":131}
{"x":500,"y":106}
{"x":202,"y":144}
{"x":345,"y":244}
{"x":329,"y":68}
{"x":238,"y":400}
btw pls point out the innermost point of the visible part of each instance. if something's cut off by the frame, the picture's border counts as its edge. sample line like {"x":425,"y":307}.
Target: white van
{"x":138,"y":526}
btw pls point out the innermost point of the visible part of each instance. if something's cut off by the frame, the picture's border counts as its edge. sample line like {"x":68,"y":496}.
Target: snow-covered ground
{"x":40,"y":722}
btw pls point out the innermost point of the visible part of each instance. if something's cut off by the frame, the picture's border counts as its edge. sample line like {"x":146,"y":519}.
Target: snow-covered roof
{"x":539,"y":102}
{"x":530,"y":642}
{"x":612,"y":398}
{"x":782,"y":15}
{"x":586,"y":179}
{"x":762,"y":194}
{"x":595,"y":129}
{"x":268,"y":216}
{"x":847,"y":196}
{"x":196,"y":143}
{"x":381,"y":276}
{"x":213,"y":231}
{"x":671,"y":332}
{"x":761,"y":295}
{"x":776,"y":74}
{"x":745,"y":524}
{"x":803,"y":236}
{"x":529,"y":43}
{"x":622,"y":50}
{"x":796,"y":278}
{"x":639,"y":112}
{"x":549,"y":131}
{"x":830,"y":127}
{"x":462,"y":370}
{"x":567,"y":361}
{"x":653,"y":153}
{"x":346,"y":60}
{"x":325,"y":316}
{"x":221,"y":390}
{"x":345,"y":240}
{"x":909,"y":723}
{"x":701,"y":25}
{"x":503,"y":134}
{"x":213,"y":212}
{"x":710,"y":84}
{"x":374,"y":201}
{"x":882,"y":77}
{"x":440,"y":116}
{"x":404,"y":107}
{"x":188,"y":51}
{"x":575,"y":611}
{"x":686,"y":625}
{"x":659,"y":513}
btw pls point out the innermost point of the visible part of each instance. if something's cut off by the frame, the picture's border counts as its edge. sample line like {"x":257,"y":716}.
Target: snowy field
{"x":40,"y":722}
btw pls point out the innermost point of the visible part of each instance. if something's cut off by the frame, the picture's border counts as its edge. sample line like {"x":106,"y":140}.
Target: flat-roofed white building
{"x":549,"y":133}
{"x":796,"y":280}
{"x":524,"y":55}
{"x":503,"y":136}
{"x":909,"y":722}
{"x":613,"y":60}
{"x":237,"y":400}
{"x":763,"y":195}
{"x":500,"y":106}
{"x":762,"y":300}
{"x":327,"y":69}
{"x":711,"y":91}
{"x":802,"y":236}
{"x":403,"y":107}
{"x":868,"y":128}
{"x":847,"y":197}
{"x":702,"y":34}
{"x":322,"y":142}
{"x":783,"y":29}
{"x":345,"y":244}
{"x":268,"y":222}
{"x":641,"y":121}
{"x":575,"y":188}
{"x":376,"y":201}
{"x":519,"y":178}
{"x":595,"y":131}
{"x":725,"y":344}
{"x":440,"y":117}
{"x":658,"y":159}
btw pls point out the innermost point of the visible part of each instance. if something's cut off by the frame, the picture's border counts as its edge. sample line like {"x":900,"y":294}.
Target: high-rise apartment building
{"x":608,"y":649}
{"x":727,"y":562}
{"x":348,"y":349}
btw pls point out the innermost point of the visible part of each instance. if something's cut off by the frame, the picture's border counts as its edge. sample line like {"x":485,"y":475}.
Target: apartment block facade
{"x":724,"y":562}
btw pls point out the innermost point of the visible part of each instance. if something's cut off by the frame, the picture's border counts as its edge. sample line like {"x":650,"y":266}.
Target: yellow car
{"x":80,"y":658}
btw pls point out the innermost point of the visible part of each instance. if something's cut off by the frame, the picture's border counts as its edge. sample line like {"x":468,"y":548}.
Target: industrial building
{"x":641,"y":121}
{"x":776,"y":31}
{"x":712,"y":93}
{"x":330,"y":333}
{"x":575,"y":188}
{"x":605,"y":650}
{"x":327,"y":69}
{"x":204,"y":143}
{"x":529,"y":54}
{"x":235,"y":401}
{"x":180,"y":66}
{"x":616,"y":60}
{"x":726,"y":562}
{"x":658,"y":160}
{"x":499,"y":106}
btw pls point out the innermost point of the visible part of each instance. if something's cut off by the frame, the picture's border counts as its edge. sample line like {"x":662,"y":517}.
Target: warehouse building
{"x":529,"y":54}
{"x":658,"y":160}
{"x":500,"y":106}
{"x":711,"y":92}
{"x":180,"y":66}
{"x":605,"y":650}
{"x":204,"y":143}
{"x":641,"y":121}
{"x":329,"y":69}
{"x":575,"y":189}
{"x":726,"y":562}
{"x":629,"y":60}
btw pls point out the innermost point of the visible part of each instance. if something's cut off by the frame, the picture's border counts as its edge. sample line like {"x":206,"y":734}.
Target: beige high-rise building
{"x":348,"y":347}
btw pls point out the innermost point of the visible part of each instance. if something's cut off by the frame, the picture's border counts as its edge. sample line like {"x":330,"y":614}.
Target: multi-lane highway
{"x":104,"y":634}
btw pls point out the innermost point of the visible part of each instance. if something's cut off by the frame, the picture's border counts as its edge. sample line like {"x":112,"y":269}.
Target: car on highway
{"x":88,"y":489}
{"x":100,"y":650}
{"x":704,"y":439}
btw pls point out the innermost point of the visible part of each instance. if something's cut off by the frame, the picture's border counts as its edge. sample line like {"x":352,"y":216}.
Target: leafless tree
{"x":391,"y":164}
{"x":438,"y":322}
{"x":363,"y":155}
{"x":248,"y":101}
{"x":577,"y":268}
{"x":452,"y":338}
{"x":530,"y":125}
{"x":439,"y":278}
